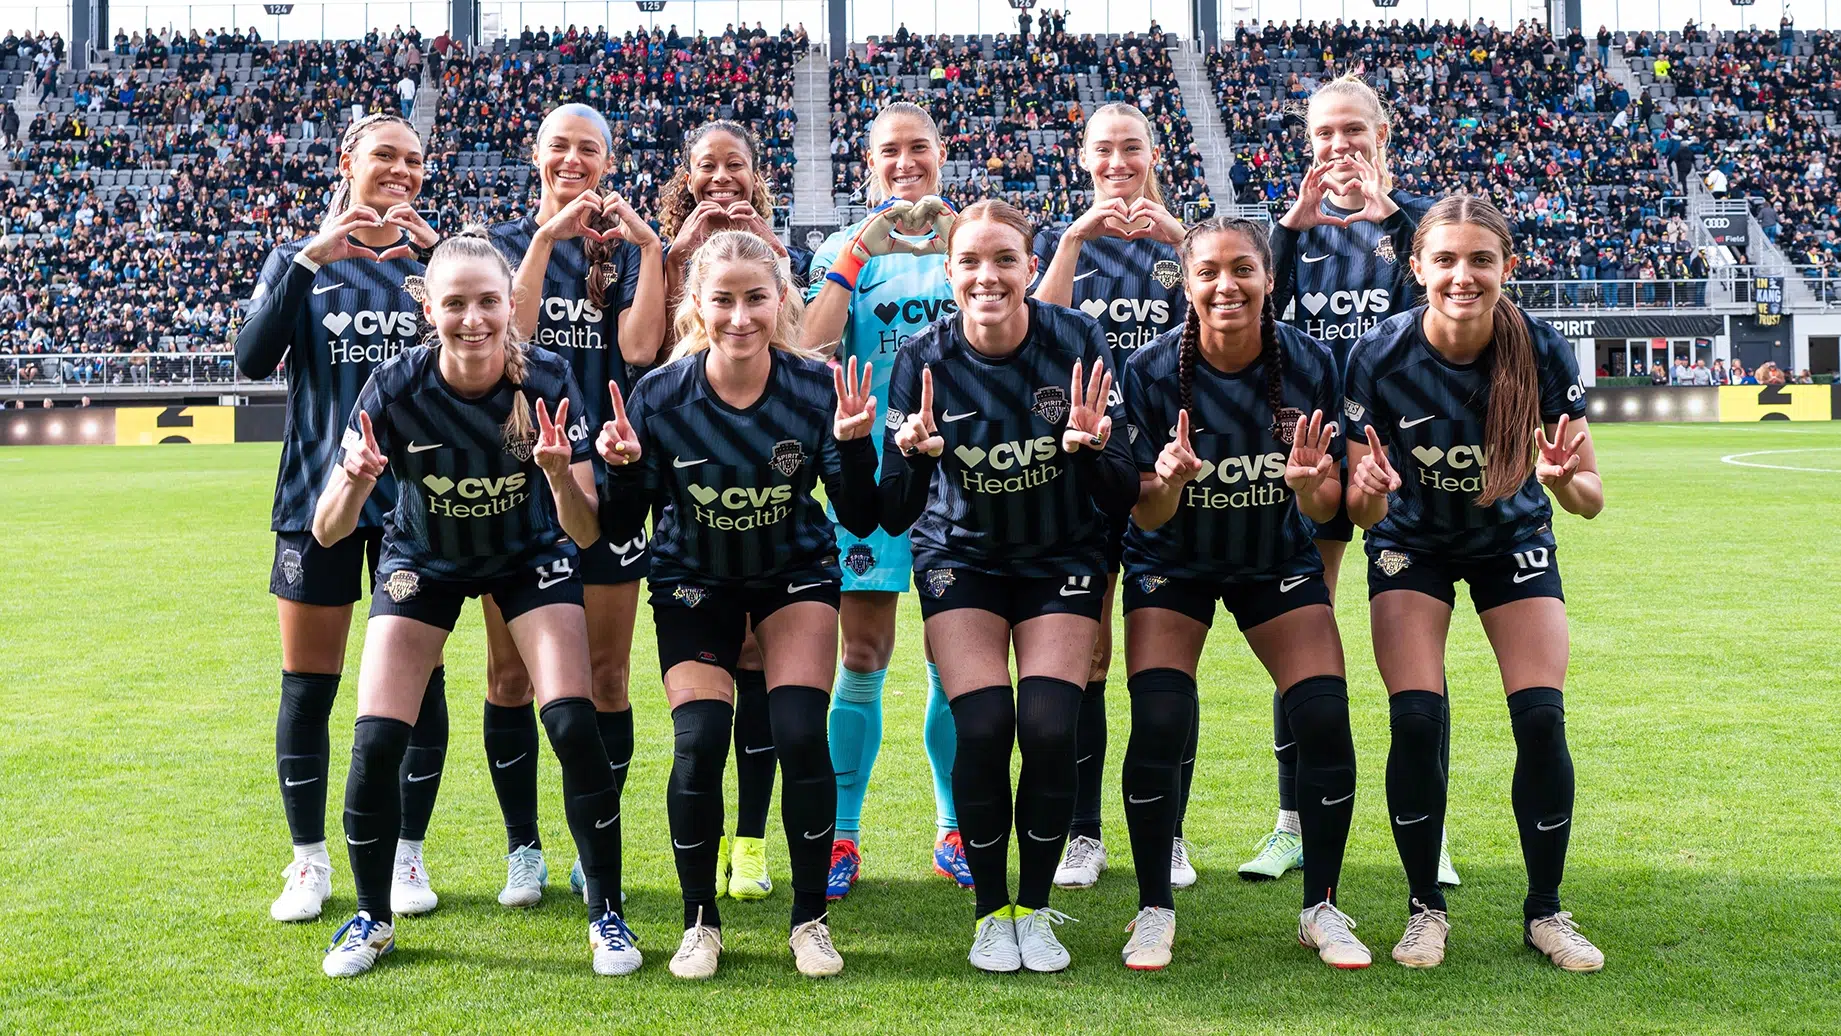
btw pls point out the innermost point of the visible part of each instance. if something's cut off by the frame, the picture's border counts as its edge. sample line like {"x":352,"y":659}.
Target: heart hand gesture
{"x":364,"y":462}
{"x":617,"y":444}
{"x":1559,"y":459}
{"x":918,"y":434}
{"x":334,"y":242}
{"x":1177,"y":464}
{"x":620,"y":222}
{"x":1088,"y":423}
{"x":1376,"y":205}
{"x":553,"y":450}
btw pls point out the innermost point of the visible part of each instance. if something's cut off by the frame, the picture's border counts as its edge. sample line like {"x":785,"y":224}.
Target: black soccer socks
{"x":808,"y":803}
{"x":1163,"y":713}
{"x":1317,"y":713}
{"x":693,"y":801}
{"x":1542,"y":793}
{"x":1047,"y":715}
{"x":1416,"y":790}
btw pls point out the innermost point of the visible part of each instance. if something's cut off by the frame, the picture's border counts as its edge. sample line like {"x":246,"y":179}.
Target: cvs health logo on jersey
{"x":1330,"y":313}
{"x":740,"y":508}
{"x":573,"y":324}
{"x":1246,"y":480}
{"x":1457,"y":469}
{"x":475,"y":497}
{"x":395,"y":328}
{"x":1139,"y":318}
{"x":1009,"y":467}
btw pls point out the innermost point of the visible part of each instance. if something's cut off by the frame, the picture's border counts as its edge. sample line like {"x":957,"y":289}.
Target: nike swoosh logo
{"x":974,"y":843}
{"x":413,"y":779}
{"x":1340,"y":801}
{"x":500,"y":766}
{"x":1281,"y":748}
{"x":793,"y":589}
{"x":693,"y":845}
{"x":1194,"y":428}
{"x":289,"y":782}
{"x":1405,"y":424}
{"x":815,"y":837}
{"x":1315,"y":258}
{"x":367,"y":841}
{"x":864,"y":289}
{"x":627,"y":559}
{"x":1083,"y":759}
{"x":1404,"y":823}
{"x":599,"y":824}
{"x":679,"y":462}
{"x":1139,"y":802}
{"x":1039,"y":838}
{"x":548,"y":581}
{"x":950,"y":418}
{"x":614,"y":766}
{"x":1084,"y":276}
{"x":1285,"y":586}
{"x":414,"y":447}
{"x":1070,"y":591}
{"x":1538,"y":826}
{"x":758,"y":751}
{"x":1522,"y":577}
{"x":329,"y":287}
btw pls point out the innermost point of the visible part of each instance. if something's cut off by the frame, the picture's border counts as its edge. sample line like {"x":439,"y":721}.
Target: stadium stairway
{"x":812,"y":141}
{"x":428,"y":94}
{"x":1204,"y":118}
{"x":1766,"y":258}
{"x":26,"y":104}
{"x":1620,"y":70}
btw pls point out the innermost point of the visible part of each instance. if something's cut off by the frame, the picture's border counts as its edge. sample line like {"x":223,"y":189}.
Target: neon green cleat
{"x":1282,"y":851}
{"x":748,"y":878}
{"x":722,"y":867}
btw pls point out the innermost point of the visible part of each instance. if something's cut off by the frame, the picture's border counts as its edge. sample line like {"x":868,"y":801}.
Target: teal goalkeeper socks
{"x":942,"y":747}
{"x":856,"y":738}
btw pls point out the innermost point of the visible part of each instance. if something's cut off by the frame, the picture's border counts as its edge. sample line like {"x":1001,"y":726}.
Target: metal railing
{"x":1824,"y":285}
{"x":1661,"y":296}
{"x":108,"y":373}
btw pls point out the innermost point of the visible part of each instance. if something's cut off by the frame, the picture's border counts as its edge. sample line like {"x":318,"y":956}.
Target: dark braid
{"x":1273,"y":356}
{"x":1270,"y":352}
{"x":1185,"y":359}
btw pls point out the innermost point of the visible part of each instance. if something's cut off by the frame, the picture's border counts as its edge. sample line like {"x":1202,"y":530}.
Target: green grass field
{"x":143,"y":838}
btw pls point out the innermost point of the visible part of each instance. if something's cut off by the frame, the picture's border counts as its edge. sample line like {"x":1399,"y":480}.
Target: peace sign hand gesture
{"x":1559,"y":459}
{"x":618,"y":444}
{"x":1177,"y":465}
{"x":1373,"y":474}
{"x":856,"y":408}
{"x":364,"y":461}
{"x":1310,"y":461}
{"x":553,"y":449}
{"x":918,"y":434}
{"x":1088,"y":423}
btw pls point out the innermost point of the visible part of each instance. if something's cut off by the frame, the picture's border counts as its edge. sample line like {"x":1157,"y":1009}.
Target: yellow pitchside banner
{"x":1776,"y":403}
{"x":148,"y":425}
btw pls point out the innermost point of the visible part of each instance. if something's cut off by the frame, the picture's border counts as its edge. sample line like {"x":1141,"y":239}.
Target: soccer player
{"x":484,"y":498}
{"x":1245,"y":407}
{"x":1465,"y":414}
{"x":1132,"y":284}
{"x":593,"y":272}
{"x":1339,"y":267}
{"x":334,"y":307}
{"x":722,"y":184}
{"x":726,"y":444}
{"x":874,"y":285}
{"x":1002,"y":459}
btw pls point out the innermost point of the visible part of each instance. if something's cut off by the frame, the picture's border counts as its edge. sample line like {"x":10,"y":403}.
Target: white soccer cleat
{"x":994,"y":944}
{"x":525,"y":873}
{"x":409,"y":891}
{"x":1330,"y":932}
{"x":616,"y":948}
{"x":813,"y":953}
{"x":1081,"y":863}
{"x":1153,"y":935}
{"x":1035,"y":939}
{"x":1556,"y":936}
{"x":699,"y":952}
{"x":308,"y":887}
{"x":1182,"y":871}
{"x":1447,"y":874}
{"x":356,"y":947}
{"x":1423,"y":945}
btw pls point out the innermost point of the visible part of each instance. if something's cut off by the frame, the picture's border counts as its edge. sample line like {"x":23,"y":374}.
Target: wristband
{"x":301,"y":258}
{"x":846,"y":270}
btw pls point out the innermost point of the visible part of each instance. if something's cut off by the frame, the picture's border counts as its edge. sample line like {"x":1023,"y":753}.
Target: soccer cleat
{"x":1153,"y":933}
{"x":525,"y":873}
{"x":1182,"y":871}
{"x":309,"y":886}
{"x":813,"y":953}
{"x":1035,"y":938}
{"x":357,"y":945}
{"x":846,"y":865}
{"x":698,"y":952}
{"x":722,"y":867}
{"x":1556,"y":936}
{"x":1447,"y":874}
{"x":1423,"y":945}
{"x":409,"y":891}
{"x":1280,"y":852}
{"x":578,"y":883}
{"x":994,"y":945}
{"x":1329,"y":931}
{"x":616,"y":949}
{"x":748,"y":878}
{"x":949,"y":859}
{"x":1081,"y":863}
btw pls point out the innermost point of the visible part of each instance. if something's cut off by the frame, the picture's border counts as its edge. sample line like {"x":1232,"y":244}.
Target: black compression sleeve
{"x":1111,"y":476}
{"x":904,"y":492}
{"x":854,"y":493}
{"x":1284,"y":244}
{"x":264,"y":338}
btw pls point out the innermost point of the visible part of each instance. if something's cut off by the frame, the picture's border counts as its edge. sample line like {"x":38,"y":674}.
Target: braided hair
{"x":348,"y":145}
{"x":1271,"y":355}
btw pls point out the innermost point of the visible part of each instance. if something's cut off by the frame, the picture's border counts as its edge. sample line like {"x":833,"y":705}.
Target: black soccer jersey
{"x":1430,"y":412}
{"x":732,"y":488}
{"x":1238,"y":520}
{"x":334,"y":326}
{"x":1003,"y":498}
{"x":568,"y":323}
{"x":469,"y":504}
{"x":1133,"y":288}
{"x":1335,"y":283}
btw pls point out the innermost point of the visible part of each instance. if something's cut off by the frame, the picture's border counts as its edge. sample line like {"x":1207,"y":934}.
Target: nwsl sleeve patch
{"x":892,"y":420}
{"x":1352,"y":410}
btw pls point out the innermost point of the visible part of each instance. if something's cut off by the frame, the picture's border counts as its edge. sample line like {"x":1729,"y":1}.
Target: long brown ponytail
{"x":1514,"y":385}
{"x":1271,"y":354}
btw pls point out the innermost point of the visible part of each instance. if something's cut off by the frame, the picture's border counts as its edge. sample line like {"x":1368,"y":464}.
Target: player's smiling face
{"x":905,"y":157}
{"x":469,"y":302}
{"x":1227,"y":282}
{"x":1463,"y":267}
{"x":1340,"y":126}
{"x":990,"y":269}
{"x":571,"y":157}
{"x":1118,"y":155}
{"x":739,"y":304}
{"x":386,"y":166}
{"x":721,"y":169}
